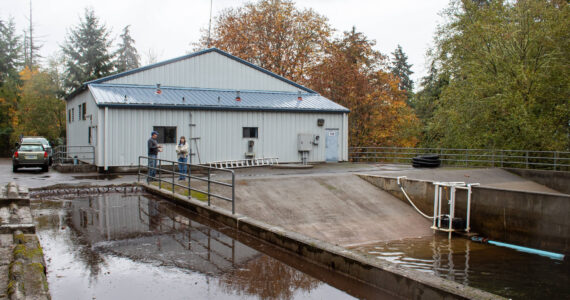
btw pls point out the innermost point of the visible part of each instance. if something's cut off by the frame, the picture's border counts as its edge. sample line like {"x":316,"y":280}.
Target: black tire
{"x":421,"y":158}
{"x":428,"y":156}
{"x":426,"y":164}
{"x":426,"y":161}
{"x":45,"y":168}
{"x":14,"y":169}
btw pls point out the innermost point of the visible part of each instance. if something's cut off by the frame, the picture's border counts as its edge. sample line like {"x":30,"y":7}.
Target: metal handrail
{"x":70,"y":154}
{"x":536,"y":159}
{"x":162,"y":166}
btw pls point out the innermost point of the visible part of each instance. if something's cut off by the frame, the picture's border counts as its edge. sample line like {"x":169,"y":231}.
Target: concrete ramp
{"x":341,"y":209}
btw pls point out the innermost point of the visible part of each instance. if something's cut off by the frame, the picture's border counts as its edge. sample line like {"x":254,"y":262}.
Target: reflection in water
{"x":107,"y":237}
{"x":258,"y":277}
{"x":498,"y":270}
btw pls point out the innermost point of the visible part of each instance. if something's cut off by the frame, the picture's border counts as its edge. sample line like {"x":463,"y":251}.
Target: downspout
{"x":105,"y":139}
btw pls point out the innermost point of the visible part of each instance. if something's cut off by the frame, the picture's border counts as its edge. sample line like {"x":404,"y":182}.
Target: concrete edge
{"x":474,"y":187}
{"x":384,"y":275}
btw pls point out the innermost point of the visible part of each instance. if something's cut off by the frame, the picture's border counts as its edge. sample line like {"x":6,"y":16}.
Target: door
{"x":331,"y":145}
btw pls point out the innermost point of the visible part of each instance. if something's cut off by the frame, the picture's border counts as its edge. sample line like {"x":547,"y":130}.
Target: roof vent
{"x":125,"y":98}
{"x":237,"y":96}
{"x":299,"y":97}
{"x":158,"y":90}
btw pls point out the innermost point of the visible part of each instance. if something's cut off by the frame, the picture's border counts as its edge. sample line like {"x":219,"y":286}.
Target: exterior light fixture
{"x":158,"y":90}
{"x":237,"y":96}
{"x":299,"y":97}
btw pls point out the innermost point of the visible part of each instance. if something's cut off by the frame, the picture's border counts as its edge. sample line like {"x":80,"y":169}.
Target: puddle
{"x":125,"y":246}
{"x":498,"y":270}
{"x":99,"y":177}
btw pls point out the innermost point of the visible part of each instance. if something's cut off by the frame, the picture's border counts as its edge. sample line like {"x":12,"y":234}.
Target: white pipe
{"x":468,"y":227}
{"x":439,"y":207}
{"x":435,"y":200}
{"x":409,"y":200}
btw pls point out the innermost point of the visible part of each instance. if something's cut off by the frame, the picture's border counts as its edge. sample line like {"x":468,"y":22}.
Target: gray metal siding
{"x":210,"y":70}
{"x":220,"y":134}
{"x":77,"y":134}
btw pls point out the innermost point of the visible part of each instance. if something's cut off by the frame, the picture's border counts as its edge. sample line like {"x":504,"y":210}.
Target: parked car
{"x":30,"y":155}
{"x":42,"y":140}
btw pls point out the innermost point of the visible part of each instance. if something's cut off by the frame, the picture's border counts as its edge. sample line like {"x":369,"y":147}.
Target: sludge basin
{"x":137,"y":246}
{"x":499,"y":270}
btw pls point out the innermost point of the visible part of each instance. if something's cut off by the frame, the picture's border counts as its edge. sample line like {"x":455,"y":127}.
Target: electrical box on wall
{"x":304,"y":142}
{"x":320,"y":122}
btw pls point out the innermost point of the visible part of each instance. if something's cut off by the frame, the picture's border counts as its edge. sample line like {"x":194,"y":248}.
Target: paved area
{"x":338,"y":208}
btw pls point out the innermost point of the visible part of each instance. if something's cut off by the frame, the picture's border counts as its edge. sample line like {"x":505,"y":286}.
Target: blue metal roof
{"x":134,"y":96}
{"x":102,"y":80}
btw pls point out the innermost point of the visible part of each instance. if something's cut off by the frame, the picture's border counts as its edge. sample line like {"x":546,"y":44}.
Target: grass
{"x":182,"y":191}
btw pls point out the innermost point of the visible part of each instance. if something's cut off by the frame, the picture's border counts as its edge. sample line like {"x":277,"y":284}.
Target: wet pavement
{"x":499,"y":270}
{"x":35,"y":178}
{"x":135,"y":246}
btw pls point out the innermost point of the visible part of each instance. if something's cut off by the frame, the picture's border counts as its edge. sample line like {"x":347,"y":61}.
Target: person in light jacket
{"x":182,"y":150}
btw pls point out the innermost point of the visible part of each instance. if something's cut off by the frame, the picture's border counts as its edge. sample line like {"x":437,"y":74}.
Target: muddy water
{"x":119,"y":246}
{"x":499,"y":270}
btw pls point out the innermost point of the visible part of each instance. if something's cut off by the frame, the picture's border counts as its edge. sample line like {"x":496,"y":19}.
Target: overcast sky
{"x":167,"y":28}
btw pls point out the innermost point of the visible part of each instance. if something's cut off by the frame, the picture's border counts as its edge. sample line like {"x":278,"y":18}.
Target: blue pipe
{"x":528,"y":250}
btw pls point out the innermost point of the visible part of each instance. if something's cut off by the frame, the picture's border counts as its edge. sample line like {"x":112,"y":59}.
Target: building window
{"x":69,"y":115}
{"x":84,"y":111}
{"x":250,"y":132}
{"x":79,"y":112}
{"x":72,"y":114}
{"x":166,"y":134}
{"x":89,"y":135}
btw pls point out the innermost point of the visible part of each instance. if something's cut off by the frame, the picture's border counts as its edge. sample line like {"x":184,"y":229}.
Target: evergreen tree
{"x":86,"y":52}
{"x":10,"y":50}
{"x":127,"y":55}
{"x":10,"y":61}
{"x":401,"y":69}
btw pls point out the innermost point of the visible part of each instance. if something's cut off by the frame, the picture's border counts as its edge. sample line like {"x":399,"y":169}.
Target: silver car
{"x":42,"y":140}
{"x":30,"y":155}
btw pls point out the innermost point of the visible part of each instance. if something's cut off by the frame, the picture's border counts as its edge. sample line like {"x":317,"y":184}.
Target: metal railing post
{"x":526,"y":159}
{"x":173,"y":178}
{"x":189,"y":189}
{"x":159,"y":173}
{"x":233,"y":192}
{"x":209,"y":178}
{"x":555,"y":157}
{"x":139,"y":172}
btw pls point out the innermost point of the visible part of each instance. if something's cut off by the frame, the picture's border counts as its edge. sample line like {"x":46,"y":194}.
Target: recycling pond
{"x":137,"y":246}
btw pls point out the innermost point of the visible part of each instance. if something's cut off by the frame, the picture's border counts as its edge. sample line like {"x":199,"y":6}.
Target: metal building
{"x":230,"y":108}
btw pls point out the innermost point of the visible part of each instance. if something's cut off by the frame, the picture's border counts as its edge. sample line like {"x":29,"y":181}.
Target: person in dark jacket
{"x":153,"y":149}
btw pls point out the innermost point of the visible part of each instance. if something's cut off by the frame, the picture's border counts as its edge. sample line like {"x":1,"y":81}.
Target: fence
{"x":165,"y":172}
{"x":526,"y":159}
{"x":74,"y":154}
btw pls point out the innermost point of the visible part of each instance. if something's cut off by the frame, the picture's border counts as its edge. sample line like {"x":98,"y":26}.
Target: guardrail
{"x":74,"y":154}
{"x":523,"y":159}
{"x":165,"y":172}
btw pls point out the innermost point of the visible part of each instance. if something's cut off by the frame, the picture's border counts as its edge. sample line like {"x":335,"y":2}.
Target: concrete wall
{"x":536,"y":220}
{"x":400,"y":282}
{"x":556,"y":180}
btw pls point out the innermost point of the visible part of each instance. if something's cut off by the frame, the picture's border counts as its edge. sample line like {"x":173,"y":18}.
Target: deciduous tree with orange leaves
{"x":353,"y":74}
{"x":272,"y":34}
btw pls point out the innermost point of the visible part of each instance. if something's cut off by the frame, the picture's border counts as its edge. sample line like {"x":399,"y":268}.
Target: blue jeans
{"x":182,"y":169}
{"x":151,"y":167}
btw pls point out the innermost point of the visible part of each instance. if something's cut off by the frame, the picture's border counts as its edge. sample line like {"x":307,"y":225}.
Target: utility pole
{"x":210,"y":23}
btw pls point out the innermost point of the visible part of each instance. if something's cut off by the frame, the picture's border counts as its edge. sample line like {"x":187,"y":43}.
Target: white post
{"x":451,"y":209}
{"x":439,"y":207}
{"x":435,"y":200}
